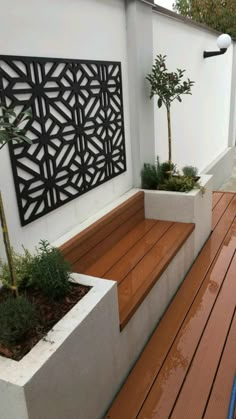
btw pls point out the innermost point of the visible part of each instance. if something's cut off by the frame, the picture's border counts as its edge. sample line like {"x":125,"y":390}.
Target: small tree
{"x":168,"y":87}
{"x":12,"y":128}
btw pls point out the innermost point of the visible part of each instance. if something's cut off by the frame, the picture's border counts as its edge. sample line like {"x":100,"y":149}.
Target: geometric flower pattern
{"x":77,"y":128}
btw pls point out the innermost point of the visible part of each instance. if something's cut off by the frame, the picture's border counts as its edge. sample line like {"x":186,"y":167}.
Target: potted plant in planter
{"x":165,"y":187}
{"x":169,"y":87}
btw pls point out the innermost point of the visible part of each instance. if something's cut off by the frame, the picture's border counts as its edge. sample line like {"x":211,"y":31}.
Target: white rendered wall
{"x":200,"y":124}
{"x":82,"y":29}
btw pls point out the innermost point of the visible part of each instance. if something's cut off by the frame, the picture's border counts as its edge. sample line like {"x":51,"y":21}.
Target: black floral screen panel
{"x":77,"y":128}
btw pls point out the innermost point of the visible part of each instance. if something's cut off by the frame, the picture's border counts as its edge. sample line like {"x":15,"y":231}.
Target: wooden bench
{"x":125,"y":247}
{"x":187,"y":368}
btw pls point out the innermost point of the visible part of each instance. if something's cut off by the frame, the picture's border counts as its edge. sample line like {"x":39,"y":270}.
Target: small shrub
{"x":166,"y":169}
{"x":50,"y":272}
{"x":149,"y":176}
{"x":190,"y":171}
{"x":17,"y":318}
{"x":180,"y":184}
{"x":23,"y":269}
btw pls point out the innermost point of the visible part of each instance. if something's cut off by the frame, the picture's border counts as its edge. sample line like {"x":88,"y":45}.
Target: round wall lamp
{"x":223,"y":43}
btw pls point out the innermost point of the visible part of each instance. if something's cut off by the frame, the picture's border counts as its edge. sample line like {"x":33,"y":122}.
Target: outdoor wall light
{"x":223,"y":42}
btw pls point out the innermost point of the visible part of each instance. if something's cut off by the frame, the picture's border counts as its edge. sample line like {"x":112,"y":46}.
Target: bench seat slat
{"x":140,"y":250}
{"x":97,"y":252}
{"x":137,"y":284}
{"x":102,"y":265}
{"x":85,"y":241}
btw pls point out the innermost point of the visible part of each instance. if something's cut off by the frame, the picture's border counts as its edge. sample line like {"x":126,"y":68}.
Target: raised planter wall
{"x":192,"y":207}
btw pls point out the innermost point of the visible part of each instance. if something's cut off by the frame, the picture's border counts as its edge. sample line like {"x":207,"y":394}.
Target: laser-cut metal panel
{"x":77,"y":128}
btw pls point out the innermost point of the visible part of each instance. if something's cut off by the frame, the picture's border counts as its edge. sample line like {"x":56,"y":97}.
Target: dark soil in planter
{"x":49,"y":313}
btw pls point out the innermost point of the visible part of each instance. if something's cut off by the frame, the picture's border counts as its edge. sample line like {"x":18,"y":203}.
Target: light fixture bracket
{"x":207,"y":54}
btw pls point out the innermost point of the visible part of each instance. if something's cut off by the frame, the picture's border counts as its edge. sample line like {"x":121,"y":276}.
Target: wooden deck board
{"x":218,"y":405}
{"x":201,"y":374}
{"x":207,"y":274}
{"x":216,"y":196}
{"x":167,"y":385}
{"x":220,"y":208}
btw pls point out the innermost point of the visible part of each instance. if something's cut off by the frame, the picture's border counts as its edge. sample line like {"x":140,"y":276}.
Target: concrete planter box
{"x":191,"y":207}
{"x":46,"y":383}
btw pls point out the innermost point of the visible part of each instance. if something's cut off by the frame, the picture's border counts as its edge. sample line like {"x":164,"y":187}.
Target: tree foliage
{"x":217,"y":14}
{"x":168,"y":86}
{"x":13,"y":126}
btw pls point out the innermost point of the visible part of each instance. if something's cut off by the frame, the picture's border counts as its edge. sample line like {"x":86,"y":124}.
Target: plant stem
{"x":8,"y":248}
{"x":169,"y":137}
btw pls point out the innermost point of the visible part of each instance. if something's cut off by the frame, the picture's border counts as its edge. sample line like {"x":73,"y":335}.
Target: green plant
{"x":166,"y":169}
{"x":17,"y":318}
{"x":23,"y":269}
{"x":168,"y":86}
{"x":149,"y":176}
{"x":180,"y":184}
{"x":12,"y":128}
{"x":190,"y":171}
{"x":50,"y":271}
{"x":217,"y":14}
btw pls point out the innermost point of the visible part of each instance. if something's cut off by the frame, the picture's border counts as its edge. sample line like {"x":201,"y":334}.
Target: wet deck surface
{"x":187,"y":368}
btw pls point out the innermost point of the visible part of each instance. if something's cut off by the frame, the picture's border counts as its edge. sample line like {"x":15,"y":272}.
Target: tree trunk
{"x":8,"y":248}
{"x":169,"y":138}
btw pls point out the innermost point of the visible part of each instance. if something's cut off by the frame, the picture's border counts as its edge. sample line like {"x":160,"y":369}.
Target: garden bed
{"x":48,"y":312}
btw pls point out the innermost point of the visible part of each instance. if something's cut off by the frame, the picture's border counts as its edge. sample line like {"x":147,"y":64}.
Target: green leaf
{"x":159,"y":103}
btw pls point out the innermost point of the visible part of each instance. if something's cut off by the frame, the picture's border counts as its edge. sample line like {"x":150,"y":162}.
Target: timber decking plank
{"x":221,"y":207}
{"x":137,"y":284}
{"x":119,"y":271}
{"x":216,"y":196}
{"x":98,"y":251}
{"x":197,"y":386}
{"x":167,"y":385}
{"x":103,"y":264}
{"x":98,"y":231}
{"x":130,"y":399}
{"x":218,"y":404}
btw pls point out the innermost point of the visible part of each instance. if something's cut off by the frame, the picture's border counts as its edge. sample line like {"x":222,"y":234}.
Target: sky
{"x":165,"y":3}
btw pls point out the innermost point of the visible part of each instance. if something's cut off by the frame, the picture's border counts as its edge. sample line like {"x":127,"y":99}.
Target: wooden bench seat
{"x":125,"y":247}
{"x":187,"y":368}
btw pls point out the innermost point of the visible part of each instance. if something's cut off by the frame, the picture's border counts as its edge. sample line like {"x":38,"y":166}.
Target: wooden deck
{"x":186,"y":371}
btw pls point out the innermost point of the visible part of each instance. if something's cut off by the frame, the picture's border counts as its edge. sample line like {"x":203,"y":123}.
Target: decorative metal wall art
{"x":77,"y":128}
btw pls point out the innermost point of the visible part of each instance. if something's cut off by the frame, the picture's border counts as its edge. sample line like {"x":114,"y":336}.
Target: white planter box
{"x":46,"y":383}
{"x":191,"y":207}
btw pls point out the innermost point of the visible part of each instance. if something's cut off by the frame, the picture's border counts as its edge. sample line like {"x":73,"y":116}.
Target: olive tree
{"x":168,"y":86}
